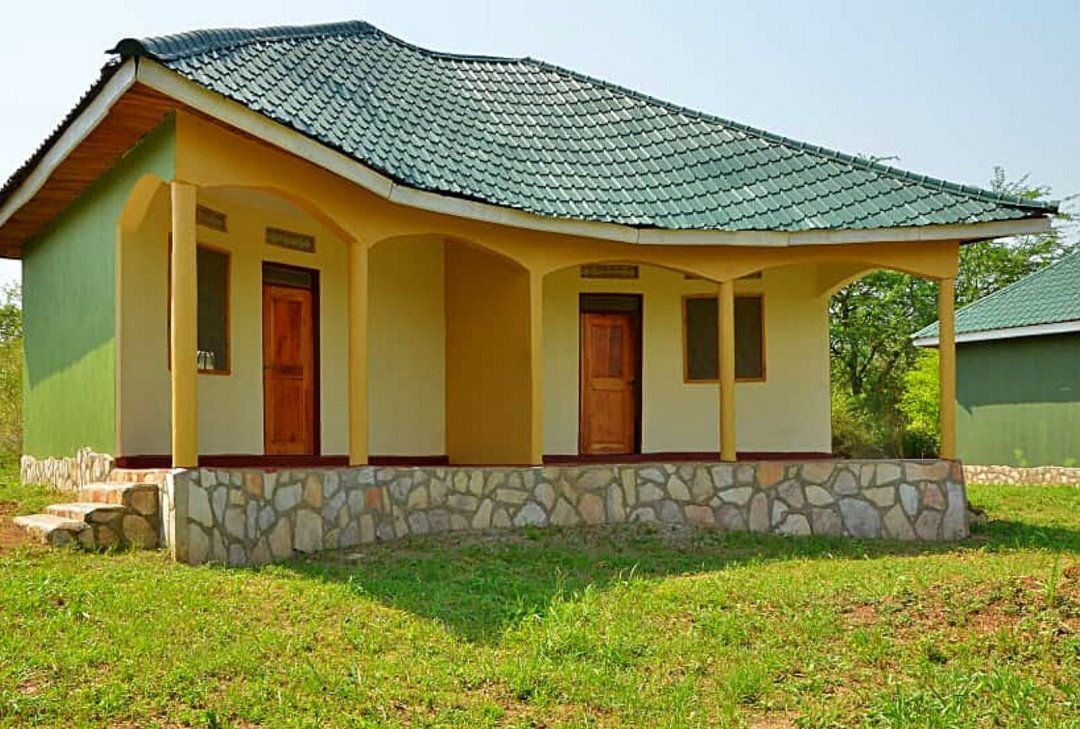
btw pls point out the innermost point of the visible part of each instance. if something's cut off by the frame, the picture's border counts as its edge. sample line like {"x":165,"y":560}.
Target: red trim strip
{"x":254,"y":461}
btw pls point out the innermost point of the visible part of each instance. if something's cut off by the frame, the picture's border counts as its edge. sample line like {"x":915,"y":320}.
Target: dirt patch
{"x":11,"y":536}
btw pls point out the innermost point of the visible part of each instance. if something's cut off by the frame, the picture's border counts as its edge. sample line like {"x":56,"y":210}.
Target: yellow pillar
{"x":726,"y":352}
{"x":184,"y":308}
{"x":947,"y":364}
{"x":358,"y":354}
{"x":536,"y":368}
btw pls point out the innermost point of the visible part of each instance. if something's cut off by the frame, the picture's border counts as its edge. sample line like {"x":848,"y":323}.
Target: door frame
{"x":616,"y":302}
{"x":316,"y":320}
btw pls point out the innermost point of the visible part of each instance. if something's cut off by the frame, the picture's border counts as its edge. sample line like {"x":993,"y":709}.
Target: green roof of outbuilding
{"x":524,"y":134}
{"x":1048,"y":296}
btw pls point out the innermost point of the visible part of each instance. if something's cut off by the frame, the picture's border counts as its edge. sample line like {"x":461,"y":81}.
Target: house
{"x":1018,"y":369}
{"x":268,"y":253}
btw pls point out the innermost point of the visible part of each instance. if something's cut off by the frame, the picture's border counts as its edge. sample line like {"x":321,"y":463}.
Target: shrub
{"x":921,"y":407}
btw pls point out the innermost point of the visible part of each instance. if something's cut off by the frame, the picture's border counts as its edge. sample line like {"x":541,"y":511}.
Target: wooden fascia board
{"x":72,"y":137}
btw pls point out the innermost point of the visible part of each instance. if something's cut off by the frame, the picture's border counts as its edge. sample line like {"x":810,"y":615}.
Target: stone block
{"x":544,"y":494}
{"x":739,"y":495}
{"x":887,"y":473}
{"x":198,"y":545}
{"x":218,"y":498}
{"x":482,"y":518}
{"x":730,"y":518}
{"x":928,"y":525}
{"x":701,"y":486}
{"x":932,"y":497}
{"x":286,"y":497}
{"x":308,"y":536}
{"x":643,"y":514}
{"x":648,"y":492}
{"x":817,"y":471}
{"x":818,"y":496}
{"x":235,"y":522}
{"x":826,"y":522}
{"x":909,"y":498}
{"x":897,"y":525}
{"x":779,"y":512}
{"x":759,"y":513}
{"x":845,"y":483}
{"x":199,"y":507}
{"x":723,"y":476}
{"x":591,"y":508}
{"x":883,"y":496}
{"x":280,"y":540}
{"x":677,"y":489}
{"x":144,"y":500}
{"x":792,"y":494}
{"x":563,"y":514}
{"x":615,"y":510}
{"x":463,"y":502}
{"x":511,"y":496}
{"x":930,"y":471}
{"x":700,"y":516}
{"x":795,"y":525}
{"x":418,"y":498}
{"x":532,"y":515}
{"x":861,"y":519}
{"x":769,"y":474}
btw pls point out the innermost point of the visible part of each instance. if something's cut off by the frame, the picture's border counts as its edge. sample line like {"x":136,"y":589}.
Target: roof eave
{"x":162,"y":79}
{"x":72,"y":132}
{"x":988,"y":335}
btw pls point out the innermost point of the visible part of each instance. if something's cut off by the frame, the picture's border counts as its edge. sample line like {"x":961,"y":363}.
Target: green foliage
{"x":873,"y":318}
{"x":921,"y":406}
{"x":11,"y":372}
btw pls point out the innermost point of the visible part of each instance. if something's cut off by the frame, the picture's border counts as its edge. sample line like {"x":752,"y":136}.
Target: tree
{"x":11,"y":371}
{"x":873,"y":318}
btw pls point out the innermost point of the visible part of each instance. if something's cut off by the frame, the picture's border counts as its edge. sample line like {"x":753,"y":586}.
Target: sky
{"x":948,"y":88}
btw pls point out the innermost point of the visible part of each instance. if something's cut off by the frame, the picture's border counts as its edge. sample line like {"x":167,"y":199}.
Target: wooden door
{"x":608,"y":382}
{"x":288,"y":371}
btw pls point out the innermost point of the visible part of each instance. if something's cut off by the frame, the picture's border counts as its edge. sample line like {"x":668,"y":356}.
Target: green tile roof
{"x":1049,"y":296}
{"x":524,"y":134}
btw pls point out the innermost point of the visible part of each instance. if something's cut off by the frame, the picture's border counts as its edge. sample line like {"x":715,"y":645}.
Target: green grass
{"x":563,"y":628}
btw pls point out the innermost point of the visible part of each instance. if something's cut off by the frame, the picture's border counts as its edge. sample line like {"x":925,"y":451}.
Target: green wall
{"x":1018,"y":401}
{"x":69,"y":310}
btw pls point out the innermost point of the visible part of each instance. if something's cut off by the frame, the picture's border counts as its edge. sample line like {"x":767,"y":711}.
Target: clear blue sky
{"x":950,"y":88}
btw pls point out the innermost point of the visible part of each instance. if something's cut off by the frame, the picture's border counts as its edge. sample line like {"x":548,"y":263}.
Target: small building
{"x":1018,"y":371}
{"x":324,"y":247}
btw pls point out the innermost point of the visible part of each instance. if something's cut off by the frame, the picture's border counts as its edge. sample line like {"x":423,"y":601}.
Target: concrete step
{"x":88,"y":511}
{"x":52,"y":529}
{"x":141,"y":498}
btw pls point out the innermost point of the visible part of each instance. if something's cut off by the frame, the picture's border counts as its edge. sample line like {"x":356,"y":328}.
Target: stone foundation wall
{"x":67,"y":474}
{"x":239,"y":517}
{"x":1015,"y":476}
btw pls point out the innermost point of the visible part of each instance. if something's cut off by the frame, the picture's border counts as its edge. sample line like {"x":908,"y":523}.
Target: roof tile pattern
{"x":1048,"y":296}
{"x":524,"y":134}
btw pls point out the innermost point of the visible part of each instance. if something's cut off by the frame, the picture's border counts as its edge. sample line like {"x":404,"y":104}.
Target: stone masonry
{"x":67,"y":474}
{"x":241,"y":517}
{"x":1018,"y":476}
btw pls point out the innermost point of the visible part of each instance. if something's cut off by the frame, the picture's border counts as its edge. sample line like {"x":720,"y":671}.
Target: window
{"x":700,"y":337}
{"x":212,"y":270}
{"x":213,"y":336}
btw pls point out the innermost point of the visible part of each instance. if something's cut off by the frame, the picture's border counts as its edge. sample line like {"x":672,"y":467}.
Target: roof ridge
{"x":178,"y":45}
{"x":935,"y":326}
{"x":969,"y":190}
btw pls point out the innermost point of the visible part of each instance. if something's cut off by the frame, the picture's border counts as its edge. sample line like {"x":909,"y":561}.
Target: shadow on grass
{"x":479,"y":586}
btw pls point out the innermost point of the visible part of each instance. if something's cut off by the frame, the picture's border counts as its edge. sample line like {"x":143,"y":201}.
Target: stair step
{"x":87,"y":511}
{"x":50,"y":528}
{"x":140,"y":497}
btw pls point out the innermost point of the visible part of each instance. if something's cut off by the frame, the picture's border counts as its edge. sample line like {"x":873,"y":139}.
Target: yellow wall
{"x":230,"y":406}
{"x":488,"y":395}
{"x":407,"y":355}
{"x":787,"y":412}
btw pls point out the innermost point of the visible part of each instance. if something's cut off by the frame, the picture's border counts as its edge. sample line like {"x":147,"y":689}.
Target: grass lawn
{"x":626,"y":626}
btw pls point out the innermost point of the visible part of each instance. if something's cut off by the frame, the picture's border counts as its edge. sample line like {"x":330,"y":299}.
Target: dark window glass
{"x":702,"y":360}
{"x":213,"y":273}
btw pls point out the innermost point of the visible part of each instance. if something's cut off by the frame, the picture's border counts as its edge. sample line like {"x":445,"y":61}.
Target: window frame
{"x":217,"y":371}
{"x":687,"y":380}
